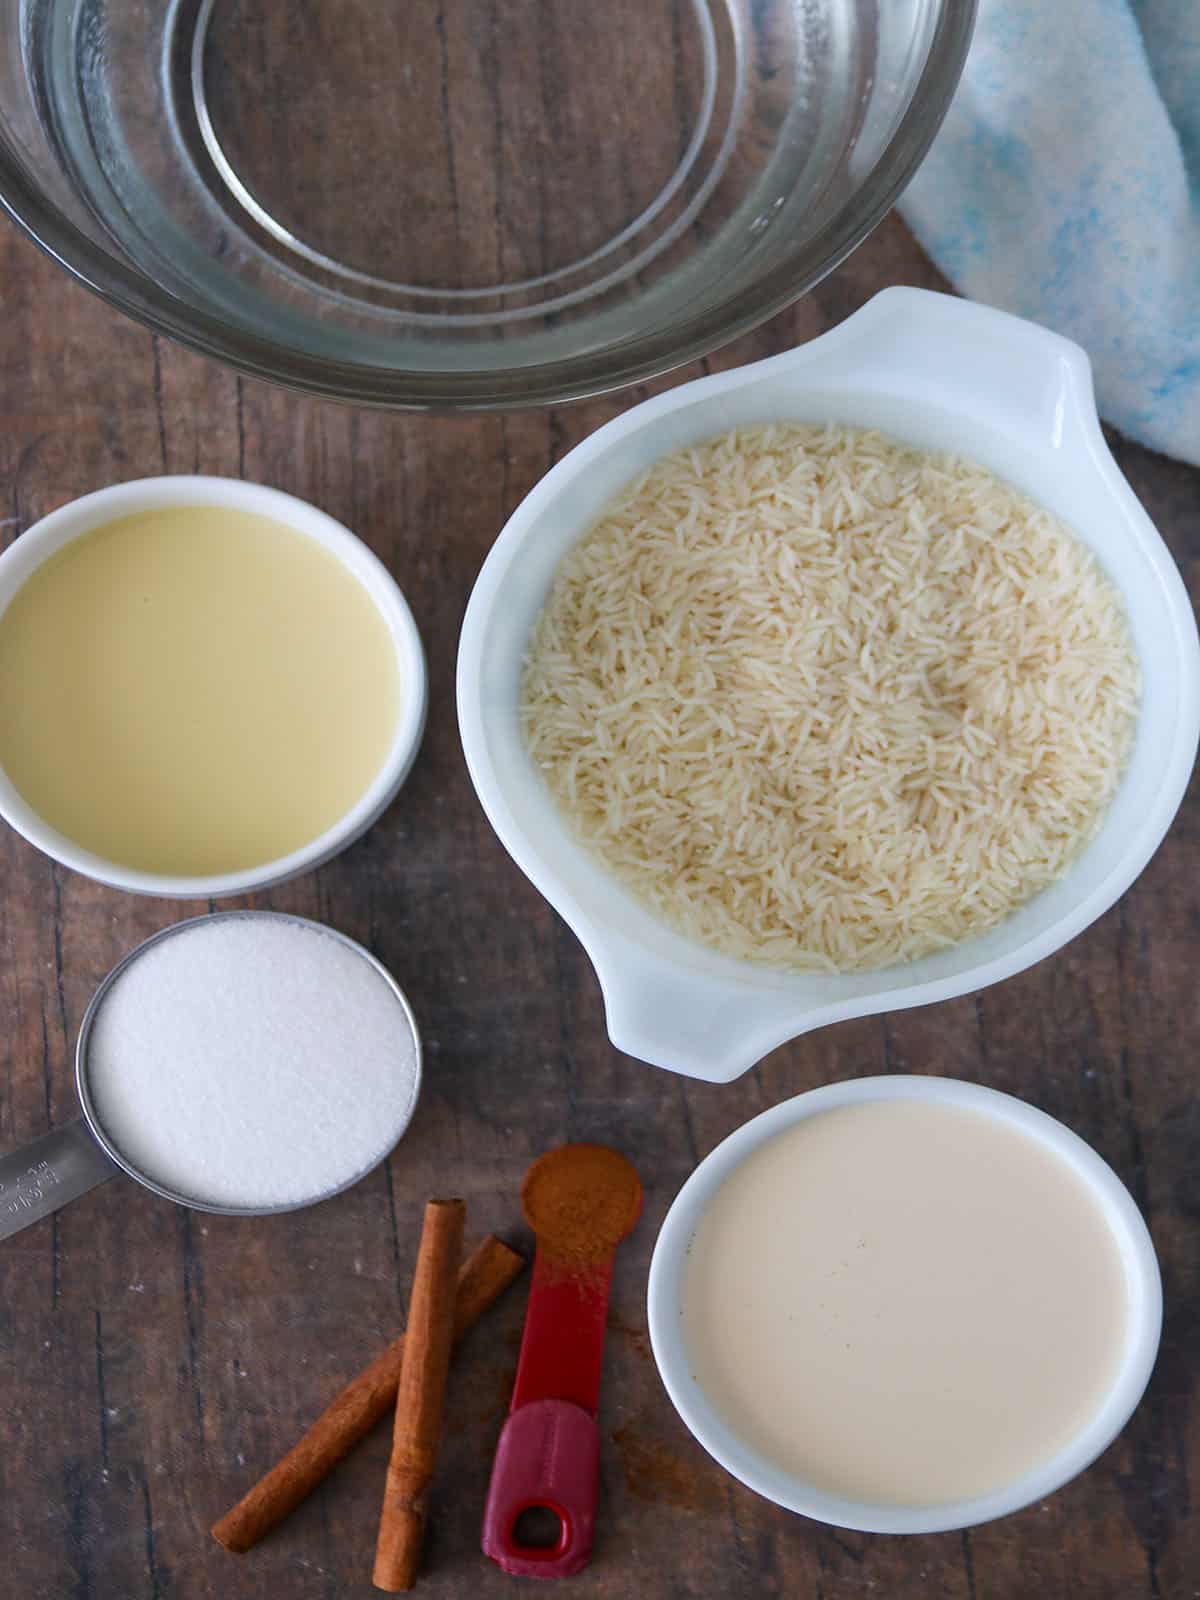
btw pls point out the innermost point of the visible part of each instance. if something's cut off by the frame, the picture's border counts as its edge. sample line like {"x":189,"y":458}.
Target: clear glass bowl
{"x":469,"y":203}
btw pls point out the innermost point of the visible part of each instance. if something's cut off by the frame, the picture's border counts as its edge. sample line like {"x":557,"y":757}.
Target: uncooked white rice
{"x":826,"y":702}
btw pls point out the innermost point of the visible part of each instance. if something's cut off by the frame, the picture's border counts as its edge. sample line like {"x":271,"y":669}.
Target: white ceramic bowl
{"x":758,"y":1472}
{"x":38,"y":543}
{"x":943,"y":374}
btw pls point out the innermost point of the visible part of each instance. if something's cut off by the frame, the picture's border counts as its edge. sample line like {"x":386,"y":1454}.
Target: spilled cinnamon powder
{"x":653,"y":1472}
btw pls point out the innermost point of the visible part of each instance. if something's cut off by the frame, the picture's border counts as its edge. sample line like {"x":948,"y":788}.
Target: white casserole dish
{"x":943,"y":374}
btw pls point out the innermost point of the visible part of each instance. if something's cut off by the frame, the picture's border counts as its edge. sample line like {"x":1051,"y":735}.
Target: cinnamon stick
{"x":419,"y":1398}
{"x":482,"y":1279}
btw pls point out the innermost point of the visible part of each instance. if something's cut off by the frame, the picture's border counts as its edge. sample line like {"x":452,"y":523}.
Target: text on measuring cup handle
{"x":29,"y":1189}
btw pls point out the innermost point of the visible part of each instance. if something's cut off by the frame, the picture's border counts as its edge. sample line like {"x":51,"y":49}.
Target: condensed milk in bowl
{"x":206,"y":686}
{"x":904,"y":1304}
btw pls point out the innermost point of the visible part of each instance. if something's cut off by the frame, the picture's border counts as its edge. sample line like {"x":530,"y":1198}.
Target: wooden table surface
{"x":154,"y":1361}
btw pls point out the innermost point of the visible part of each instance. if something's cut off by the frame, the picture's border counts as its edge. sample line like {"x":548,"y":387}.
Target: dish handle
{"x":697,"y":1026}
{"x":1015,"y":374}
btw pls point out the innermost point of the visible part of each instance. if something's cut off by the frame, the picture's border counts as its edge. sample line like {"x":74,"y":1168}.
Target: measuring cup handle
{"x":548,"y":1456}
{"x":43,"y":1175}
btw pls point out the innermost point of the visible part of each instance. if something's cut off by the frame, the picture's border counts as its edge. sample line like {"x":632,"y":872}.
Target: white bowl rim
{"x":50,"y":533}
{"x":755,"y":1470}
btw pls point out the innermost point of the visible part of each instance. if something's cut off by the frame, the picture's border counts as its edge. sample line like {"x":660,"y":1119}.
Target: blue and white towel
{"x":1065,"y":186}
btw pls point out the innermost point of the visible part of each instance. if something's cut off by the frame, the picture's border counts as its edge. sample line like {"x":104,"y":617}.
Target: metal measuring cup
{"x":44,"y":1175}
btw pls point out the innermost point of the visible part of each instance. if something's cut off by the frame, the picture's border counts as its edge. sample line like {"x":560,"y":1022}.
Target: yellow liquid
{"x":194,"y":691}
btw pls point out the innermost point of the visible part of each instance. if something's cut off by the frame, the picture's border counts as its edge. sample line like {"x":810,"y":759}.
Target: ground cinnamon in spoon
{"x":581,"y":1200}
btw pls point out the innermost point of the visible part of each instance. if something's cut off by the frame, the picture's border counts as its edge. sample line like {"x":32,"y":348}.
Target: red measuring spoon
{"x":580,"y":1201}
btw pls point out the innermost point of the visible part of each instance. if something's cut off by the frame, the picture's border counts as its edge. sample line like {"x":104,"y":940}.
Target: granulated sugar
{"x":252,"y":1060}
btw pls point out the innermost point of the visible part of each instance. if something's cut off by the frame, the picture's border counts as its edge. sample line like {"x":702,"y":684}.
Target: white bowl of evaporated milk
{"x":206,"y":686}
{"x":904,"y":1304}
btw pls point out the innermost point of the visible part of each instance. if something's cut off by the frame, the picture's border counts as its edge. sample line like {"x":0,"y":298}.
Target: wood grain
{"x":153,"y":1361}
